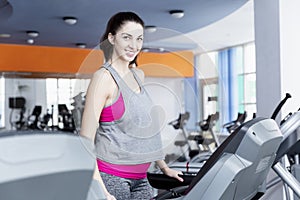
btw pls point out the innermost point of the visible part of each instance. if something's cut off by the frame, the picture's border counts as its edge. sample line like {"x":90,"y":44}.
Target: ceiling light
{"x":5,"y":35}
{"x":150,"y":29}
{"x":161,"y":49}
{"x":70,"y":20}
{"x":81,"y":45}
{"x":32,"y":33}
{"x":177,"y":13}
{"x":145,"y":50}
{"x":30,"y":41}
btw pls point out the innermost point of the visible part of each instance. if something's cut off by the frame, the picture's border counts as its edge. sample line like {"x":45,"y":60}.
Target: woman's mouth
{"x":130,"y":54}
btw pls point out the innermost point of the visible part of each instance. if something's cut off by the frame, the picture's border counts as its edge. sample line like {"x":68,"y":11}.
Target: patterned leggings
{"x":127,"y":189}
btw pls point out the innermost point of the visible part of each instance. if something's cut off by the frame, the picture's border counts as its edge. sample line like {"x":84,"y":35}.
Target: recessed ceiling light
{"x":81,"y":45}
{"x":70,"y":20}
{"x":30,"y":41}
{"x":5,"y":35}
{"x":150,"y":29}
{"x":161,"y":49}
{"x":145,"y":50}
{"x":177,"y":13}
{"x":32,"y":33}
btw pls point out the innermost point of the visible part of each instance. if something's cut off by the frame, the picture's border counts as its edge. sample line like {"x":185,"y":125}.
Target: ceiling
{"x":208,"y":24}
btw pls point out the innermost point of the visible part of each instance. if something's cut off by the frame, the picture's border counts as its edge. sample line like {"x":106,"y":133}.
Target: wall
{"x":168,"y":93}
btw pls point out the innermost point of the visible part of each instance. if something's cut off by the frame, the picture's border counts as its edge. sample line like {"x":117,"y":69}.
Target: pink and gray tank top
{"x":134,"y":137}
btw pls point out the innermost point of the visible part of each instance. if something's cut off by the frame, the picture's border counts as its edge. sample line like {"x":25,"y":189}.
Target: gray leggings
{"x":127,"y":189}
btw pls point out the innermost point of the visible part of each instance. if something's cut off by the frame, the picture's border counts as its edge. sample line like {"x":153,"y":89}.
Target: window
{"x":237,"y":82}
{"x":247,"y":82}
{"x":64,"y":90}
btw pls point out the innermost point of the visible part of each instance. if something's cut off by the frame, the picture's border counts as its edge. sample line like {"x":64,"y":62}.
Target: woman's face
{"x":127,"y":42}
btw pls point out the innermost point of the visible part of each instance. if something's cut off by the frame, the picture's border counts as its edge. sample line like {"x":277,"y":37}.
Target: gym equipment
{"x":207,"y":125}
{"x":231,"y":172}
{"x":39,"y":165}
{"x":66,"y":118}
{"x":231,"y":126}
{"x":179,"y":123}
{"x":289,"y":148}
{"x":33,"y":119}
{"x":203,"y":144}
{"x":17,"y":106}
{"x":77,"y":111}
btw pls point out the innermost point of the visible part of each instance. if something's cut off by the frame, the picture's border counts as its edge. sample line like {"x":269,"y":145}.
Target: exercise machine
{"x":43,"y":165}
{"x":231,"y":126}
{"x":202,"y":143}
{"x":286,"y":164}
{"x":33,"y":121}
{"x":231,"y":172}
{"x":180,"y":123}
{"x":16,"y":118}
{"x":65,"y":119}
{"x":207,"y":125}
{"x":289,"y":148}
{"x":77,"y":112}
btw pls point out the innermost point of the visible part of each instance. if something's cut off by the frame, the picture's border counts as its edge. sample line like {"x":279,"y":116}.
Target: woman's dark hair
{"x":113,"y":25}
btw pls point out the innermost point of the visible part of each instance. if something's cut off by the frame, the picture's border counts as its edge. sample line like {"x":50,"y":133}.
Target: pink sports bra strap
{"x":113,"y":112}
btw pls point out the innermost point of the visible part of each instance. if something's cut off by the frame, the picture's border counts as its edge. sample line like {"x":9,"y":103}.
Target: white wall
{"x":168,"y":93}
{"x":206,"y":65}
{"x":289,"y":51}
{"x":277,"y":41}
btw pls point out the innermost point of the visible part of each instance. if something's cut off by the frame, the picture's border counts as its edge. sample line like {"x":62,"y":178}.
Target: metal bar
{"x":288,"y":178}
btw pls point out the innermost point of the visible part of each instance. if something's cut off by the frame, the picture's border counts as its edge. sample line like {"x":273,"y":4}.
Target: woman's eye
{"x":126,"y":37}
{"x":140,"y":39}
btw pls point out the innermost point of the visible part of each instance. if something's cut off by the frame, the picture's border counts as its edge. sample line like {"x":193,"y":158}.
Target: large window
{"x":247,"y":82}
{"x":62,"y":91}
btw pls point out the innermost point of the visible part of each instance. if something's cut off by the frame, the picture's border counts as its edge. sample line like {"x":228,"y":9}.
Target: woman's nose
{"x":133,"y":44}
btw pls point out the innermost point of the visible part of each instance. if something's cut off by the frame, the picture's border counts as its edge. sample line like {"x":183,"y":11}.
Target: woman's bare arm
{"x":98,"y":92}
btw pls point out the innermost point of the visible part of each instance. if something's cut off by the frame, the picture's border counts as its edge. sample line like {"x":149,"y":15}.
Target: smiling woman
{"x":130,"y":140}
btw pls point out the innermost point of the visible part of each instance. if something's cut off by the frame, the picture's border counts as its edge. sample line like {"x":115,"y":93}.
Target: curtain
{"x":229,"y":63}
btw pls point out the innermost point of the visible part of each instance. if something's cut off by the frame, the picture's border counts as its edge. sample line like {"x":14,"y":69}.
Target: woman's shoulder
{"x":102,"y":74}
{"x":102,"y":81}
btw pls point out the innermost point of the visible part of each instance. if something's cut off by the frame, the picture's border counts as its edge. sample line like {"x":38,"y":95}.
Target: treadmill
{"x":236,"y":170}
{"x":38,"y":165}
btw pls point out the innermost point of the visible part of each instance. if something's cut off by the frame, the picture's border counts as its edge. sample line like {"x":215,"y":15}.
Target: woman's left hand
{"x":172,"y":173}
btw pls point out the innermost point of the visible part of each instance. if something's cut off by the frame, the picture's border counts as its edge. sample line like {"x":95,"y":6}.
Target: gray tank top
{"x":135,"y":138}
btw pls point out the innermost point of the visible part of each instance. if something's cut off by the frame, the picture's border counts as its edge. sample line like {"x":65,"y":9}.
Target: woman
{"x":119,"y":115}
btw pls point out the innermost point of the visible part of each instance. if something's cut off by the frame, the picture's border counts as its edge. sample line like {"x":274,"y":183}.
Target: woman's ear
{"x":111,"y":38}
